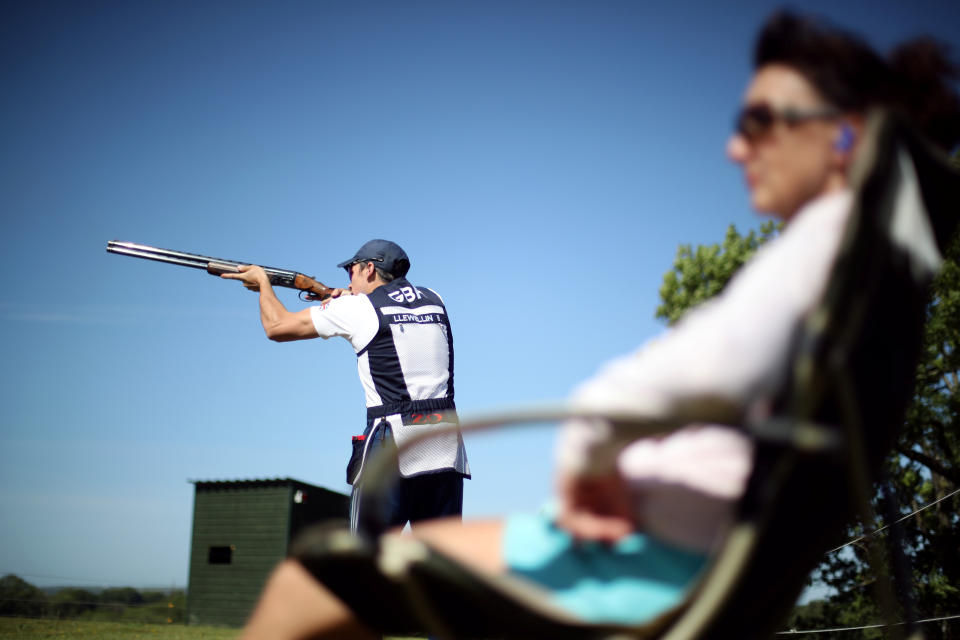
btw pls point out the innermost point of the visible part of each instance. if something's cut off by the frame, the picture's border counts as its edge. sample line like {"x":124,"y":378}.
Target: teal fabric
{"x":629,"y":582}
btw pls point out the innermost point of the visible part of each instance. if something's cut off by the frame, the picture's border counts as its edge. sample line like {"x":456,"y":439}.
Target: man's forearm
{"x":278,"y":323}
{"x":272,"y":310}
{"x":281,"y":325}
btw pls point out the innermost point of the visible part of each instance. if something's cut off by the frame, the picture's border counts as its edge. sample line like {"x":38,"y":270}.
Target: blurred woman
{"x":662,"y":504}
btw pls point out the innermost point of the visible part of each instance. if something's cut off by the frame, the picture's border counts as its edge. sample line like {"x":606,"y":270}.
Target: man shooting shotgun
{"x":401,"y":335}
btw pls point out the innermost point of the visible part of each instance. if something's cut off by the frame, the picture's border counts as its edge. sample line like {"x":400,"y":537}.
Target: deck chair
{"x":817,"y":452}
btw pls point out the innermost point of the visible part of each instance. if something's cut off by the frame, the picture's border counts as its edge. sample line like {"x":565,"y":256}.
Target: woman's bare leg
{"x":475,"y":543}
{"x":294,"y":606}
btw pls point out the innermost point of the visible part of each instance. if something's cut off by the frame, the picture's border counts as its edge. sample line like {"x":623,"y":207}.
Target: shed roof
{"x":252,"y":483}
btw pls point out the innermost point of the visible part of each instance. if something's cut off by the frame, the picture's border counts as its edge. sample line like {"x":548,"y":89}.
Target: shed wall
{"x":252,"y":521}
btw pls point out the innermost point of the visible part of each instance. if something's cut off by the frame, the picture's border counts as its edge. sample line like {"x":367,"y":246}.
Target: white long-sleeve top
{"x":732,"y":347}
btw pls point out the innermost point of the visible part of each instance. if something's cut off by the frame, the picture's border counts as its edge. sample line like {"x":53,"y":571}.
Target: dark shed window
{"x":220,"y":555}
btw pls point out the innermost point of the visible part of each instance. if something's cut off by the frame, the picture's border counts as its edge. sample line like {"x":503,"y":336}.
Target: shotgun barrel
{"x":216,"y":266}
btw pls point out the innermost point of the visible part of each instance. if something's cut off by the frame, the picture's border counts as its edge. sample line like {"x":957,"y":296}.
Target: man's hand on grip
{"x":250,"y":275}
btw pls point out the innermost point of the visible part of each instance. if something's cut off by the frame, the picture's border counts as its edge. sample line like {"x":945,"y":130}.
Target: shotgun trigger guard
{"x":309,"y":296}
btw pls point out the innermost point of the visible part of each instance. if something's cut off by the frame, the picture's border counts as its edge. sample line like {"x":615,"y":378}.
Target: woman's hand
{"x":596,"y":507}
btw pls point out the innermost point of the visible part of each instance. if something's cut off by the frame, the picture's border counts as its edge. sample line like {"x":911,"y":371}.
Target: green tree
{"x":121,"y":595}
{"x":924,"y":468}
{"x":20,"y":598}
{"x":701,"y":273}
{"x":73,"y":602}
{"x":116,"y":603}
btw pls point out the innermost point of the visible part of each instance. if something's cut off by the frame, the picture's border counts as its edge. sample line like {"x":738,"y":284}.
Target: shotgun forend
{"x":216,"y":266}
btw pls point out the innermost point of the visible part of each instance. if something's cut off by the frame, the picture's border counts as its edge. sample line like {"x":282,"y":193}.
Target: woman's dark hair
{"x":915,"y":79}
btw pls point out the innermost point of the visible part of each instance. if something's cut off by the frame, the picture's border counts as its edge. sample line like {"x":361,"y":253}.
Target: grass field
{"x":46,"y":629}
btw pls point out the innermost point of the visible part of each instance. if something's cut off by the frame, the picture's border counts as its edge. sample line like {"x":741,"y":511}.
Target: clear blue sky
{"x":539,"y":161}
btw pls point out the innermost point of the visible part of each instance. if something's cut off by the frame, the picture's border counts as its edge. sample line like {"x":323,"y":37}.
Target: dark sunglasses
{"x":755,"y":121}
{"x":349,"y":267}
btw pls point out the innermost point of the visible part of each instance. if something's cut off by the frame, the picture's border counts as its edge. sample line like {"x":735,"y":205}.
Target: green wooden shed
{"x":241,"y":530}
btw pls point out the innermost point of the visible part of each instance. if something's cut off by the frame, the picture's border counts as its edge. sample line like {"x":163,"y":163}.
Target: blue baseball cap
{"x":384,"y":254}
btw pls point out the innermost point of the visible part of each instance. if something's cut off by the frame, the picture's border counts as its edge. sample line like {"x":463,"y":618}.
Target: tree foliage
{"x":122,"y":595}
{"x":924,"y":467}
{"x":19,"y":598}
{"x":701,"y":273}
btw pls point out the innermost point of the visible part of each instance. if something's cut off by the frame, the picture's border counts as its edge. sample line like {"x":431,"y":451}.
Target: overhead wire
{"x":886,"y":526}
{"x":868,"y":626}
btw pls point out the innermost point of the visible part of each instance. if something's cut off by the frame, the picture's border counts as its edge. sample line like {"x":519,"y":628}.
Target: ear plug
{"x":845,"y":139}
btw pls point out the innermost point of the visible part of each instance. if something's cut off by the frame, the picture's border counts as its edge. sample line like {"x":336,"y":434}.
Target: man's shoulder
{"x":402,"y":291}
{"x":431,"y":293}
{"x":346,"y":304}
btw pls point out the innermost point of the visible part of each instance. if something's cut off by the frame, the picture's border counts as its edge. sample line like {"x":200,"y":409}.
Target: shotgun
{"x":309,"y":288}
